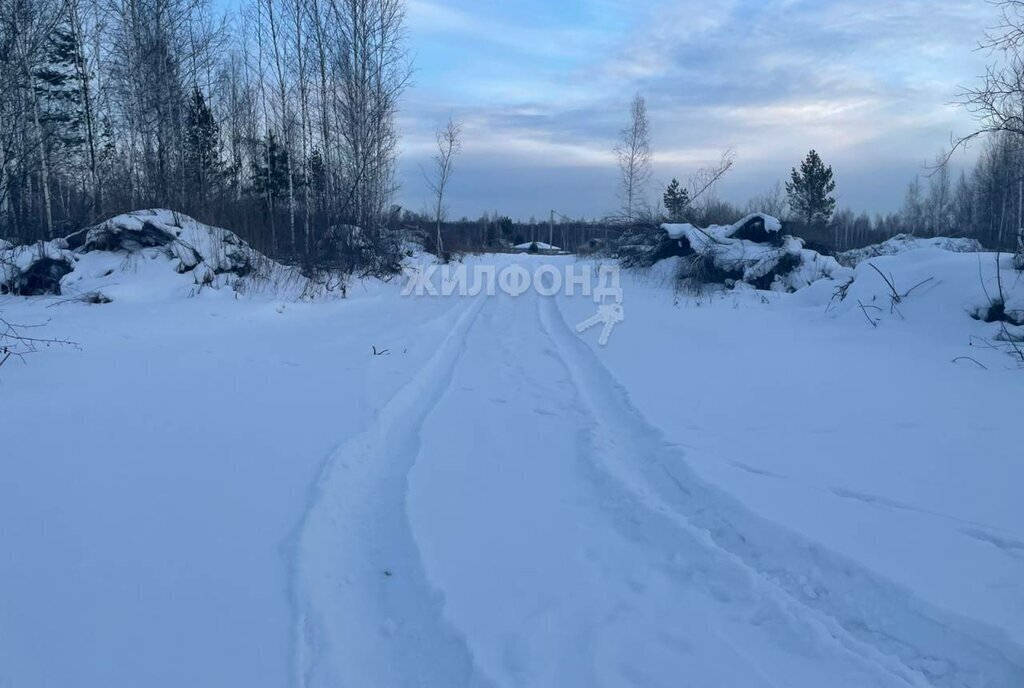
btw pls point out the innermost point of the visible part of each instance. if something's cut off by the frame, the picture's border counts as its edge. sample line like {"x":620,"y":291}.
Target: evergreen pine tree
{"x":203,"y":168}
{"x":809,"y":191}
{"x":317,"y":174}
{"x":270,"y":172}
{"x":677,"y":201}
{"x":61,"y":113}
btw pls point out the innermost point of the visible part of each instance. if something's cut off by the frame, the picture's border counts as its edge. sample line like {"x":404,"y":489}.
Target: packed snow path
{"x":508,"y":518}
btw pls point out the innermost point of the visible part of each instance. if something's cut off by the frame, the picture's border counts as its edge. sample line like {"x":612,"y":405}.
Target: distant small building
{"x":537,"y":247}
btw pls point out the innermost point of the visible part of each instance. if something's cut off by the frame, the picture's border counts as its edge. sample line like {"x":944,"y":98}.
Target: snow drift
{"x":970,"y":304}
{"x":901,"y":243}
{"x":172,"y":253}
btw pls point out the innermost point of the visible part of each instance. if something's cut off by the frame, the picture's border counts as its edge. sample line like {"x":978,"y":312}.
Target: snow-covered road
{"x":242,"y":493}
{"x":511,"y":519}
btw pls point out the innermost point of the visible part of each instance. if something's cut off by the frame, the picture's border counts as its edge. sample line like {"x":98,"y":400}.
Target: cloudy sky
{"x":542,"y":88}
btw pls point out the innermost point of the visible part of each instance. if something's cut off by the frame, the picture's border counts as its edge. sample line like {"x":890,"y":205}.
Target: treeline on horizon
{"x":984,"y":203}
{"x":277,"y":121}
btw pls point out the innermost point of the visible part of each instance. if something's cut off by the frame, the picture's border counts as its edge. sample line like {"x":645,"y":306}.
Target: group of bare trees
{"x":634,"y":156}
{"x":984,"y":202}
{"x":276,"y":120}
{"x":987,"y":203}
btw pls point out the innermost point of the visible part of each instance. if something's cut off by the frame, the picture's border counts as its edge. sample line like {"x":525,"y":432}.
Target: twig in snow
{"x":986,"y":344}
{"x":15,"y":344}
{"x":864,"y":309}
{"x":839,"y":293}
{"x":895,"y":297}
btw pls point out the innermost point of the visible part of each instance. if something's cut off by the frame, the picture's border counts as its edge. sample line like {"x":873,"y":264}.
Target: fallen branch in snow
{"x":968,"y":358}
{"x":986,"y":344}
{"x":14,"y":344}
{"x":91,"y":297}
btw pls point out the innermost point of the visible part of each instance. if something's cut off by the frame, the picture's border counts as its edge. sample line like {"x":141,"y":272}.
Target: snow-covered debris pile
{"x":752,"y":251}
{"x":147,"y":251}
{"x":35,"y":269}
{"x":204,"y":251}
{"x":901,"y":243}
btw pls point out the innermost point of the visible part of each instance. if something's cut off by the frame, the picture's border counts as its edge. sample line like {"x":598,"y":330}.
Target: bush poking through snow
{"x":348,"y":250}
{"x":895,"y":296}
{"x":996,"y":311}
{"x":642,"y":244}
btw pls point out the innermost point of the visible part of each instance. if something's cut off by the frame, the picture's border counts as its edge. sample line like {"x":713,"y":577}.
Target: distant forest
{"x":277,"y":121}
{"x":984,"y":203}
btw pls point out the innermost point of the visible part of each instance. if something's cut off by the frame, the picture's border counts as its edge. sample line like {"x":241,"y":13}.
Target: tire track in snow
{"x":559,"y":576}
{"x":870,"y":616}
{"x":364,"y":613}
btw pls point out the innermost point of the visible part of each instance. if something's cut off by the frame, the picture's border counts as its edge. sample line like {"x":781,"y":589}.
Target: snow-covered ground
{"x":742,"y":489}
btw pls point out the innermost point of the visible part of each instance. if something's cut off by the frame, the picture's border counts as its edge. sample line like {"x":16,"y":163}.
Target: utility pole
{"x":551,"y":229}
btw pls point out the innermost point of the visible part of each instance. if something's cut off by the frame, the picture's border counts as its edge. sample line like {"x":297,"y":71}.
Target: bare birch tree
{"x":634,"y":156}
{"x":448,"y":145}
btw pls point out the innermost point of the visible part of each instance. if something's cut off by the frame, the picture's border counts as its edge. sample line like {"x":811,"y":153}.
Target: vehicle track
{"x":871,"y":616}
{"x":364,"y":614}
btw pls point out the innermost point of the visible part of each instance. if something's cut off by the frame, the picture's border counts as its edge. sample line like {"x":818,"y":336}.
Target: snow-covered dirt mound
{"x":901,"y":243}
{"x":147,"y":253}
{"x":753,"y":251}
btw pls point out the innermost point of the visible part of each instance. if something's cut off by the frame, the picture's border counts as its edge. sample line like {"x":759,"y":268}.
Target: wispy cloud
{"x":544,"y":86}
